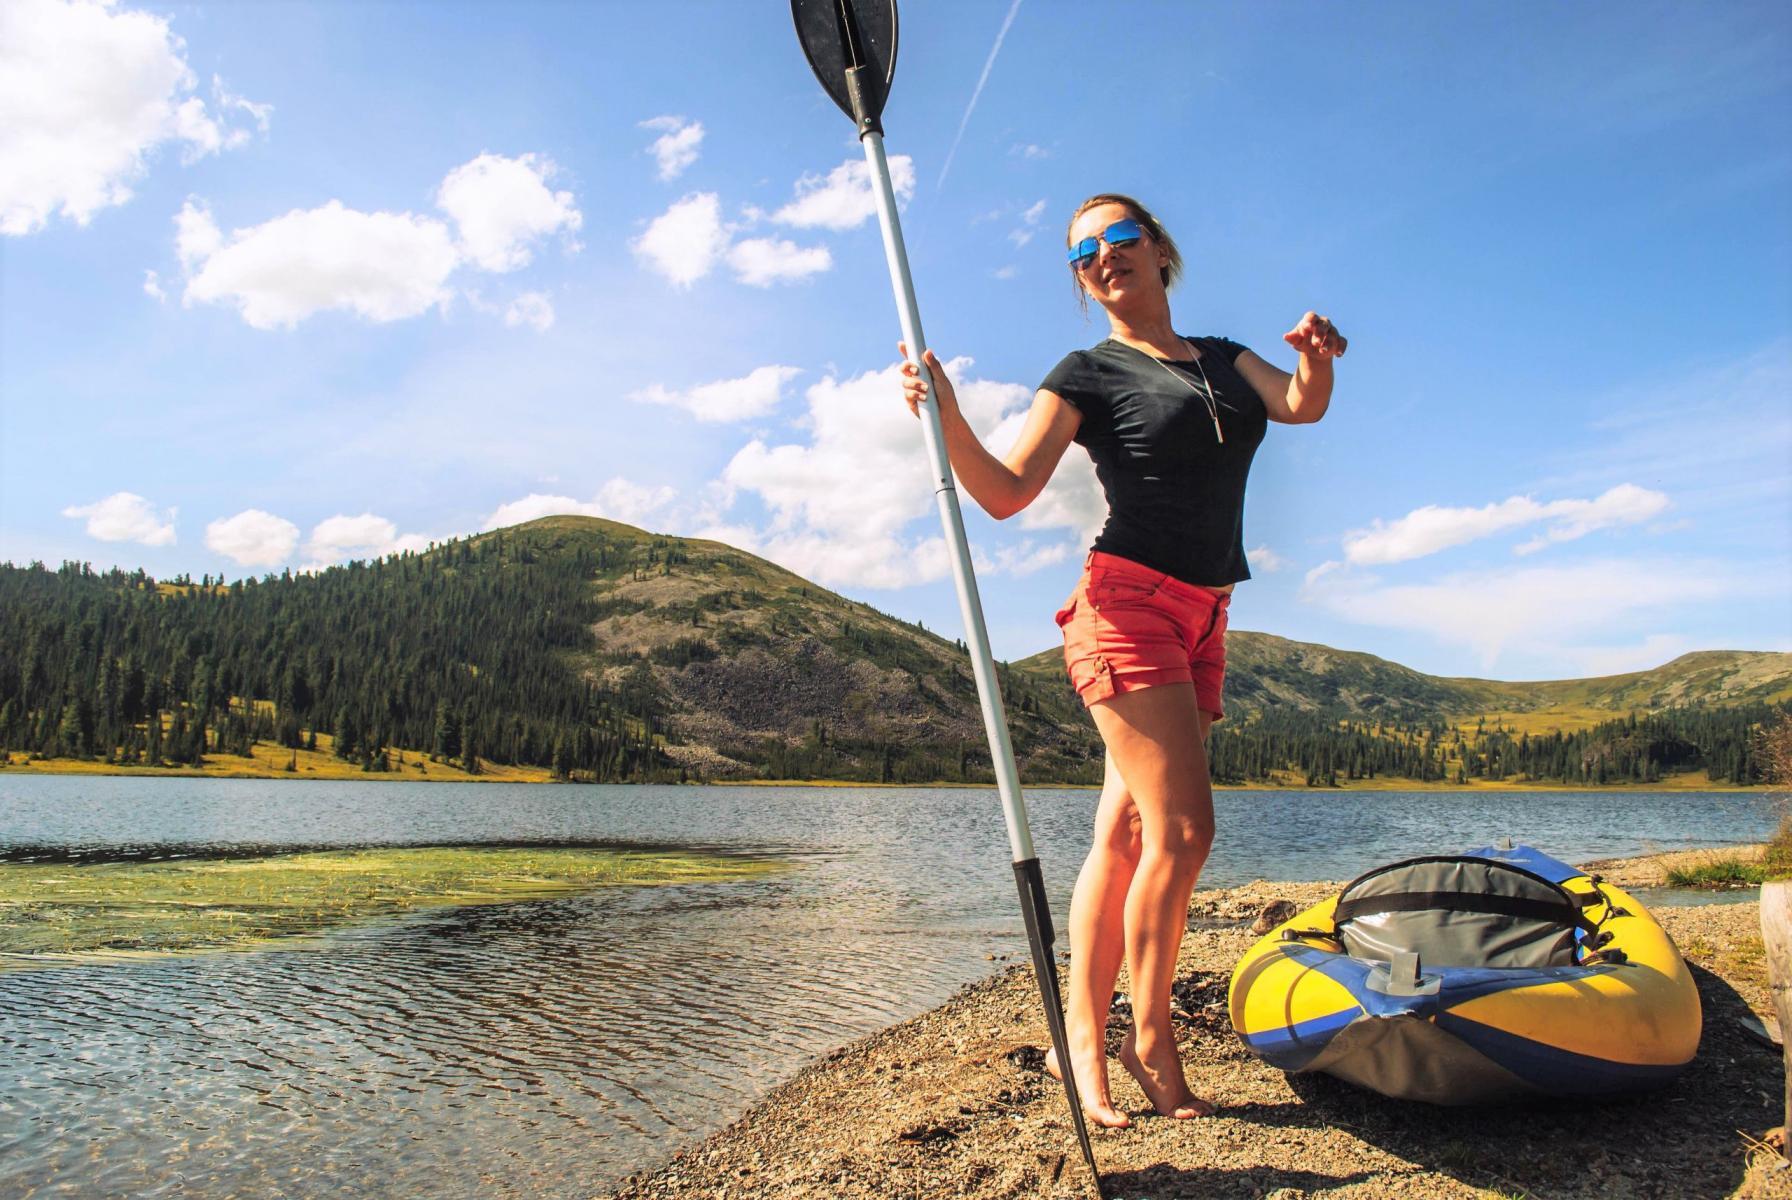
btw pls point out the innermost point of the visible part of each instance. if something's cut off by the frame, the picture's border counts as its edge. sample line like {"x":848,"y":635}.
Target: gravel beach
{"x":955,"y":1103}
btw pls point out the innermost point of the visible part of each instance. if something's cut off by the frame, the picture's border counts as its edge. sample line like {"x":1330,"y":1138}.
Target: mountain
{"x":1266,"y":671}
{"x":608,"y":652}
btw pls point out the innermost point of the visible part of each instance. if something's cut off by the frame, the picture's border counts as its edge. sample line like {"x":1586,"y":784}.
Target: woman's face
{"x":1120,"y":274}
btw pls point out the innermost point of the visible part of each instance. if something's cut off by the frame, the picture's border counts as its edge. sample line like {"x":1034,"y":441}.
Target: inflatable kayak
{"x":1491,"y":976}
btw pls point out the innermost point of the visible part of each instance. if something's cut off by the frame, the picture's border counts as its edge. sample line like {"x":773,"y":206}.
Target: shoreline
{"x":263,"y":767}
{"x":954,"y":1102}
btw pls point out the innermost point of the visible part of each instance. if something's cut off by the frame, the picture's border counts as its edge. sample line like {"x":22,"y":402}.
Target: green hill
{"x":596,"y":650}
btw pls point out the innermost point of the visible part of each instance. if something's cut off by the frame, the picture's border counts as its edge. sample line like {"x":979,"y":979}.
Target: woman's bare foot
{"x":1162,"y":1080}
{"x":1092,"y":1089}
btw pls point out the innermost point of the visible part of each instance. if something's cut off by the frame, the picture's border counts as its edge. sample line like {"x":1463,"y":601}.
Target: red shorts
{"x":1128,"y":627}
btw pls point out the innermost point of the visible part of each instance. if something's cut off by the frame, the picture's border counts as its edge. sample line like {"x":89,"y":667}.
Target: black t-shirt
{"x":1175,"y":492}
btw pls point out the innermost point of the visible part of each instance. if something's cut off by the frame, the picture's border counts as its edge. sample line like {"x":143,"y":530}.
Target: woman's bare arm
{"x":1303,"y":397}
{"x":1001,"y":486}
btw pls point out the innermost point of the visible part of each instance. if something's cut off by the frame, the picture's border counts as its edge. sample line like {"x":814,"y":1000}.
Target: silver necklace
{"x":1212,"y":412}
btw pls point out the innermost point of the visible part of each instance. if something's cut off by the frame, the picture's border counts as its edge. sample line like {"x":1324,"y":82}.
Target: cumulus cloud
{"x":846,"y":197}
{"x":752,"y":395}
{"x":618,"y":500}
{"x":841,"y":505}
{"x":152,"y":287}
{"x":381,"y":266}
{"x":340,"y":538}
{"x":126,"y":517}
{"x":676,"y":147}
{"x":253,"y":538}
{"x":533,"y":309}
{"x":762,"y":262}
{"x":503,"y":206}
{"x":684,"y":242}
{"x":88,"y":93}
{"x":1433,"y":528}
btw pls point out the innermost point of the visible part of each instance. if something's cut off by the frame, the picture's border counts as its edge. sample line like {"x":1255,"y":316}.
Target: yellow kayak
{"x":1491,"y":976}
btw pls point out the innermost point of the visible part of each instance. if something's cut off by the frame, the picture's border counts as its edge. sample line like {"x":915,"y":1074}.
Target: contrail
{"x":981,"y":80}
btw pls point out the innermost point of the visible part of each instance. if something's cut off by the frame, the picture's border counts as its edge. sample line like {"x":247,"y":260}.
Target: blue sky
{"x":283,"y":285}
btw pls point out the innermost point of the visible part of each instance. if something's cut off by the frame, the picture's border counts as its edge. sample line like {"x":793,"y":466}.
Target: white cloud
{"x":1625,"y":504}
{"x":1027,"y":557}
{"x":1433,"y":528}
{"x":685,"y":241}
{"x":152,"y":286}
{"x":252,"y":538}
{"x":1488,"y":611}
{"x":618,"y":500}
{"x":259,"y":113}
{"x":1265,"y":561}
{"x":88,"y":92}
{"x":841,"y":505}
{"x":533,"y":309}
{"x":1023,"y":233}
{"x":196,"y":234}
{"x":1007,"y":272}
{"x":752,"y":395}
{"x":1028,"y":150}
{"x":339,"y":538}
{"x":503,"y":206}
{"x":631,"y":503}
{"x":765,"y":261}
{"x":676,"y":147}
{"x":382,"y":266}
{"x":126,"y":517}
{"x":846,"y":198}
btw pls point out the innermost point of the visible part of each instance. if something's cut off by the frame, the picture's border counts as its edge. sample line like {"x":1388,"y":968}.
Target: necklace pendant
{"x":1218,"y":436}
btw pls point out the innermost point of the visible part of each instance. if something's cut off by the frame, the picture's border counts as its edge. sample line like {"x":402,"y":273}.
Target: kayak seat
{"x":1459,"y":911}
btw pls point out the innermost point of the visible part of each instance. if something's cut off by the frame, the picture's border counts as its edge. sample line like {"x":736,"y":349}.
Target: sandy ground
{"x":954,"y":1103}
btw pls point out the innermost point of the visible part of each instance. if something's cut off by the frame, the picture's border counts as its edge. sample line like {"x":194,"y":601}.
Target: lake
{"x":549,"y":1047}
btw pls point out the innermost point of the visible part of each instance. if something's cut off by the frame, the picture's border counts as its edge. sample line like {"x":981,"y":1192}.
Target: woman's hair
{"x":1172,"y":270}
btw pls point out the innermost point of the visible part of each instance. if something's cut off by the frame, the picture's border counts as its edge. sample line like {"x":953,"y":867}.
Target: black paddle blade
{"x":1038,"y":915}
{"x":851,"y":47}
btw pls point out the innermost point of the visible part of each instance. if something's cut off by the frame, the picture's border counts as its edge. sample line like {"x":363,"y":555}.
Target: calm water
{"x":549,"y":1047}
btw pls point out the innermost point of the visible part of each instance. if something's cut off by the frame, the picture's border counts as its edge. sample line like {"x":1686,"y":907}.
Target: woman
{"x":1172,"y":423}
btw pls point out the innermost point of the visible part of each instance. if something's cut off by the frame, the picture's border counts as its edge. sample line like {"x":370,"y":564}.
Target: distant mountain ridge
{"x":611,"y":652}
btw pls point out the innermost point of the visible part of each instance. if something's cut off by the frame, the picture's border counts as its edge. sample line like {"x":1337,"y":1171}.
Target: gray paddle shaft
{"x":983,"y":667}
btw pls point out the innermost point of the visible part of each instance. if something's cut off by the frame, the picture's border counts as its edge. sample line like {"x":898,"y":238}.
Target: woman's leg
{"x":1154,"y":736}
{"x":1098,"y":944}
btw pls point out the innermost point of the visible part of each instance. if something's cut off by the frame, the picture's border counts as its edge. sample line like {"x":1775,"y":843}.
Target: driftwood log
{"x":1776,"y":935}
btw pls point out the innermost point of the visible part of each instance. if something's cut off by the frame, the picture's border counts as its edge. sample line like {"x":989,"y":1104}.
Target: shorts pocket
{"x":1115,"y":591}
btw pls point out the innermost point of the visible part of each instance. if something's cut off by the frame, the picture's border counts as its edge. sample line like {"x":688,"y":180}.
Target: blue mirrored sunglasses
{"x":1123,"y":232}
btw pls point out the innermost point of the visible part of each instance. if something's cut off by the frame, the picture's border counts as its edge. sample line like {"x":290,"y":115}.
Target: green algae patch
{"x":133,"y":909}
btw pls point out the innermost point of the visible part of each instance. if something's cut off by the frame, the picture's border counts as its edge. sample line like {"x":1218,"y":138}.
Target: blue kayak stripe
{"x":1560,"y":1072}
{"x":1460,"y":984}
{"x":1292,"y":1047}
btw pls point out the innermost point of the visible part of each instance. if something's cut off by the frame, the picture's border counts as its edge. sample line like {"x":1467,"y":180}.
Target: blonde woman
{"x":1172,"y":423}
